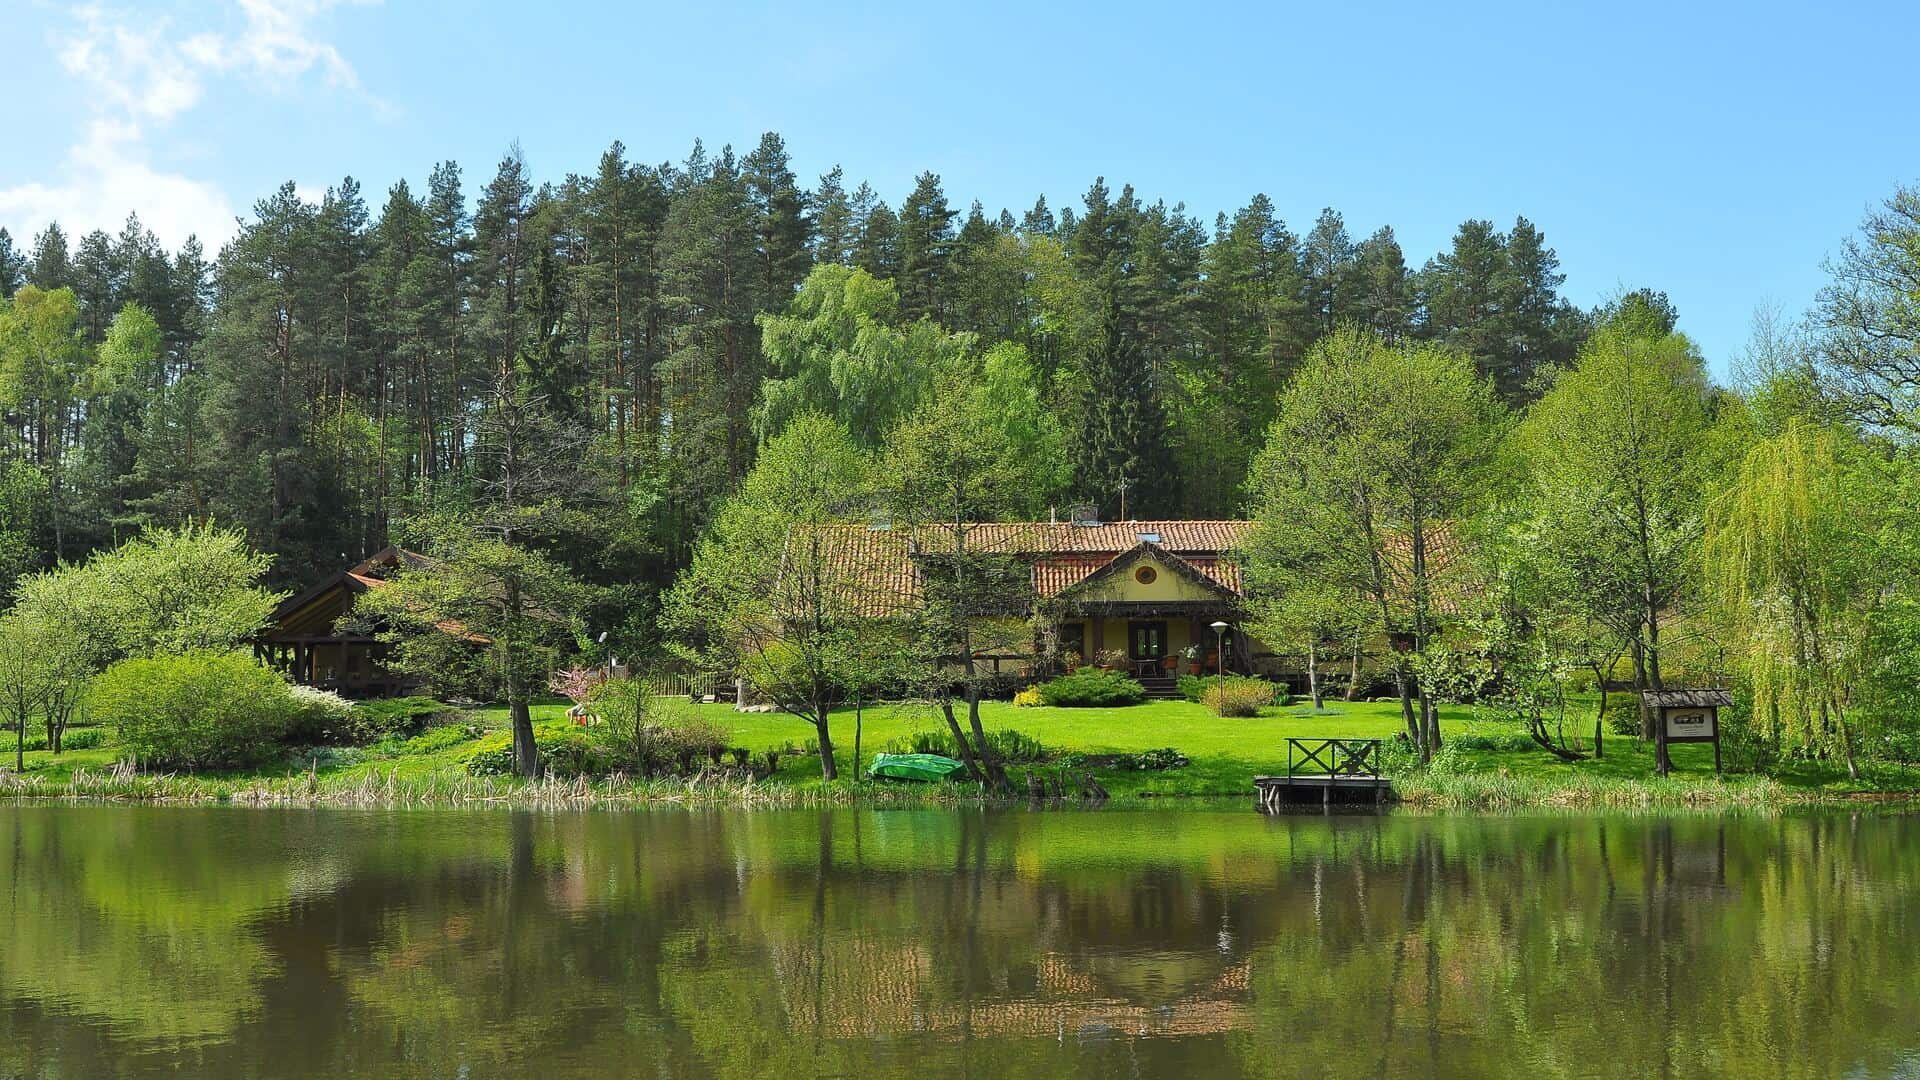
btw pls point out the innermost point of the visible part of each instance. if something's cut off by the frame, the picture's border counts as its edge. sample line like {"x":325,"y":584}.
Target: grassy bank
{"x":1487,"y":768}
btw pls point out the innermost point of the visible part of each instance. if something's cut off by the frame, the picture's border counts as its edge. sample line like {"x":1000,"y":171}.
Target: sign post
{"x":1686,"y":716}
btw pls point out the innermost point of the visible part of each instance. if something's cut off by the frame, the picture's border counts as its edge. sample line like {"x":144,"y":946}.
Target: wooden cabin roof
{"x":313,"y":613}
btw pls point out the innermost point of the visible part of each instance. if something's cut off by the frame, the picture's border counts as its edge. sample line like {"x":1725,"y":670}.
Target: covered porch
{"x":1155,"y":640}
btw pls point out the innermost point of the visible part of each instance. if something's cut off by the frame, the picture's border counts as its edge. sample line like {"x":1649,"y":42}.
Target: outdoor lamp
{"x":1220,"y":655}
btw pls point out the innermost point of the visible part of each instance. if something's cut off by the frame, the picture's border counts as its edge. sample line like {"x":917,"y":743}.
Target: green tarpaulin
{"x":914,"y":767}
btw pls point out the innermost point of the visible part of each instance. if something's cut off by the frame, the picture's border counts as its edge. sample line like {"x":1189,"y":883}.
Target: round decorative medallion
{"x":1145,"y":575}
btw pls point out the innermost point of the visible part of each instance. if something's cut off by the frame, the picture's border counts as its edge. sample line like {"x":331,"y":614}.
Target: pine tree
{"x":713,"y":369}
{"x":836,"y":230}
{"x":500,"y":266}
{"x":626,"y":208}
{"x":98,"y":282}
{"x":1039,"y":221}
{"x":51,"y":269}
{"x":1255,"y":327}
{"x":259,"y":357}
{"x":1327,"y":258}
{"x":1121,"y":434}
{"x":1381,"y":288}
{"x":783,"y":233}
{"x":1541,"y":330}
{"x":926,"y":245}
{"x":1461,"y":292}
{"x":444,"y":393}
{"x":878,"y":249}
{"x":987,"y":281}
{"x":13,"y":266}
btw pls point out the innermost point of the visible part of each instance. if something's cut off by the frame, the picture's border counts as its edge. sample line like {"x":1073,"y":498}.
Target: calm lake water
{"x":250,"y":943}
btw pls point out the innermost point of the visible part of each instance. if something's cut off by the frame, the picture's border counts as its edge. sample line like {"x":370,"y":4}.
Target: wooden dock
{"x":1325,"y":771}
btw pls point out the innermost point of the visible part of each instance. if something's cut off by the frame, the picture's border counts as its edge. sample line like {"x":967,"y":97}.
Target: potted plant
{"x":1191,"y":654}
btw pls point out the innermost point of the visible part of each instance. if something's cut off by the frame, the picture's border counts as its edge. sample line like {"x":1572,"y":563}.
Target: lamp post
{"x":1220,"y":655}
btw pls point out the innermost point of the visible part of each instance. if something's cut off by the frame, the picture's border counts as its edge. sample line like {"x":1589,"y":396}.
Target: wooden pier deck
{"x":1325,"y":771}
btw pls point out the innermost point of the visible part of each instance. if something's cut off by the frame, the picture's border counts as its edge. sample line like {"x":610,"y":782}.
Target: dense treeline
{"x":338,"y":370}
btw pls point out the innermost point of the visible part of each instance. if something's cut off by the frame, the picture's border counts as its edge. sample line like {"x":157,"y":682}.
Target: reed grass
{"x":1494,"y":791}
{"x":456,"y":788}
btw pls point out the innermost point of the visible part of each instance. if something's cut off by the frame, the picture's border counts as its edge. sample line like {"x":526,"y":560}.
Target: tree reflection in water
{"x":229,"y":942}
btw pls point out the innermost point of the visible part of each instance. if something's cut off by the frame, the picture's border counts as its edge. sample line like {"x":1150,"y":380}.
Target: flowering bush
{"x":576,"y":684}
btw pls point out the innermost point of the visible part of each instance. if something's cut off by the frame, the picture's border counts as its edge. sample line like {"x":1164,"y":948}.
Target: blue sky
{"x":1718,"y":152}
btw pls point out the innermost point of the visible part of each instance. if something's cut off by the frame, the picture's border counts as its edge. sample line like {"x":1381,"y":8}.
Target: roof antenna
{"x":1053,"y":515}
{"x":1125,"y":483}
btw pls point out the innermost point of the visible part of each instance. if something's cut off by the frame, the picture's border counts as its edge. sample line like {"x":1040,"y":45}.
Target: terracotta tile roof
{"x":1108,"y":538}
{"x":877,"y":564}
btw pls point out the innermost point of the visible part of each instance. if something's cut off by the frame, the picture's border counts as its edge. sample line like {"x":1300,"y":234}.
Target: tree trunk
{"x":821,"y":714}
{"x":1600,"y":717}
{"x":1414,"y":730}
{"x":996,"y":774}
{"x":1662,"y":758}
{"x":1640,"y":687}
{"x":526,"y":755}
{"x":857,"y":703}
{"x":961,"y":742}
{"x":1313,"y":676}
{"x":1353,"y":676}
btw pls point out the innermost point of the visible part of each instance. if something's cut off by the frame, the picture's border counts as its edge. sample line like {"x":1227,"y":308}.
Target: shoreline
{"x":1472,"y":793}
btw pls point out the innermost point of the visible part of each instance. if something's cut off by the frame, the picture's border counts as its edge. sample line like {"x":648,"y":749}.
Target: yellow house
{"x":1141,"y":596}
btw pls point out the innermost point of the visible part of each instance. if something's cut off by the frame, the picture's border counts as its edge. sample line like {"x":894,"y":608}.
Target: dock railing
{"x":1333,"y":757}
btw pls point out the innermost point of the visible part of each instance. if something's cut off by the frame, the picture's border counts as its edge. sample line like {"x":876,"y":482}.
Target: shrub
{"x":1092,"y":688}
{"x":1623,"y":713}
{"x":1145,"y":761}
{"x":322,"y":717}
{"x":1011,"y":746}
{"x":200,"y":709}
{"x":1239,"y":697}
{"x":568,"y":756}
{"x":1027,"y":698}
{"x":999,"y":685}
{"x":444,"y":737}
{"x":493,"y":759}
{"x":86,"y":738}
{"x":404,"y":716}
{"x":1194,"y":687}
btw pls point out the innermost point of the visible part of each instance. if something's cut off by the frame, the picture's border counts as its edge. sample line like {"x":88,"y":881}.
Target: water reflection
{"x":227,"y":942}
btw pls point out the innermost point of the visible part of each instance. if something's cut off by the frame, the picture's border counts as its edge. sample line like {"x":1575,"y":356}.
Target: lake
{"x":227,"y":942}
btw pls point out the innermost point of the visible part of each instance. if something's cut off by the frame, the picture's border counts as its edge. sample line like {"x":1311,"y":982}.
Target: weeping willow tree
{"x":1789,"y":564}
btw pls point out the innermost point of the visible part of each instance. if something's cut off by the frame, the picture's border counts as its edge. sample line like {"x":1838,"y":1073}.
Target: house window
{"x":1073,"y":642}
{"x":1145,"y":575}
{"x":1146,"y":640}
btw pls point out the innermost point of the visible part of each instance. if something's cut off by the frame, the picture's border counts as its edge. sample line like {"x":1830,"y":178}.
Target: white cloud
{"x":107,"y":176}
{"x":139,"y":75}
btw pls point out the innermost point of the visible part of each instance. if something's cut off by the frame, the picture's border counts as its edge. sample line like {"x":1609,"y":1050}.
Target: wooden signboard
{"x":1686,"y":716}
{"x":1690,"y":723}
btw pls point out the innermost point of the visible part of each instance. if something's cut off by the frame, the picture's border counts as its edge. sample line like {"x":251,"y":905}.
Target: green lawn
{"x":1226,"y":753}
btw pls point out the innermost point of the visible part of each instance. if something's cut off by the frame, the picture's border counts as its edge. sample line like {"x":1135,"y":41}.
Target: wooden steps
{"x":1160,"y":687}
